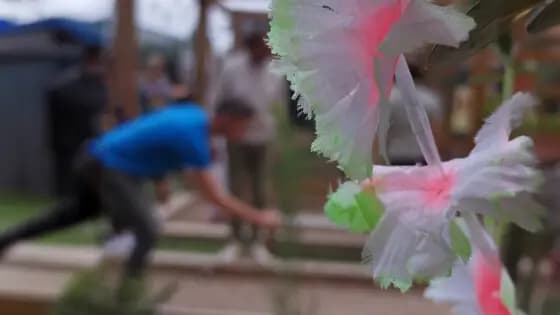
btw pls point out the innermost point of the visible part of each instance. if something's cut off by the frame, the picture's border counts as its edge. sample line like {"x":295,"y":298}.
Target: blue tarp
{"x":4,"y":25}
{"x":82,"y":32}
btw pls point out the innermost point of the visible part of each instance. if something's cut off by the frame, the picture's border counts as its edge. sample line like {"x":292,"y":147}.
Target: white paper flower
{"x":340,"y":55}
{"x":480,"y":287}
{"x":413,"y":237}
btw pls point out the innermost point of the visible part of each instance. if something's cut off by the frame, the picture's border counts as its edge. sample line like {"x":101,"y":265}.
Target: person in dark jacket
{"x":76,"y":102}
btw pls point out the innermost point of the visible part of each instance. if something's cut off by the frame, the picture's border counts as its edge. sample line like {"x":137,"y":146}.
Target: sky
{"x":175,"y":18}
{"x":257,"y":6}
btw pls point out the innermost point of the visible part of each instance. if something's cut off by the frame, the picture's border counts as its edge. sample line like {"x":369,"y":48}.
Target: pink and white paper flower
{"x":341,"y":55}
{"x":480,"y":287}
{"x":412,"y":239}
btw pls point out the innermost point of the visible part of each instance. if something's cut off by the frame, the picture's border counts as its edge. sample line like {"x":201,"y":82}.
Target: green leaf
{"x":353,"y":209}
{"x":491,"y":224}
{"x":493,"y":18}
{"x":460,"y":242}
{"x":548,"y":17}
{"x":507,"y":292}
{"x":402,"y":285}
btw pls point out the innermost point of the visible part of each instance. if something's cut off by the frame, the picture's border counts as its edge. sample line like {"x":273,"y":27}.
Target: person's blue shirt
{"x":173,"y":138}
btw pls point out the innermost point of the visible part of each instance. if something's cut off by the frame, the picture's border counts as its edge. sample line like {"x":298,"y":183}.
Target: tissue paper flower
{"x":480,"y":287}
{"x":419,"y":203}
{"x":340,"y":56}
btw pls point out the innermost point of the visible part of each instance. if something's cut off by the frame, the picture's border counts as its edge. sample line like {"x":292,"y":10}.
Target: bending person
{"x":110,"y":172}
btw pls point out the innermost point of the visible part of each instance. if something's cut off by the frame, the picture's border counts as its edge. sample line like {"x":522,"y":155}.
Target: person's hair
{"x":234,"y":108}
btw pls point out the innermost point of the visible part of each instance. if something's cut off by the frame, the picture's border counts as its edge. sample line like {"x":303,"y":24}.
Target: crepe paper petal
{"x":457,"y":290}
{"x":416,"y":236}
{"x":340,"y":56}
{"x":497,"y":128}
{"x":417,"y":115}
{"x":427,"y":23}
{"x":480,"y":287}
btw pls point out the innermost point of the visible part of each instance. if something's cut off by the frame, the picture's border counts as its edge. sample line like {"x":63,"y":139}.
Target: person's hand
{"x":269,"y":218}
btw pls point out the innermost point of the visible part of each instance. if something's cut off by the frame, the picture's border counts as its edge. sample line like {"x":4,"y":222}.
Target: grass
{"x":16,"y":208}
{"x":291,"y":250}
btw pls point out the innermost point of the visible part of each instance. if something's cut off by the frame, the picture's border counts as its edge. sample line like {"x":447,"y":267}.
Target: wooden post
{"x":125,"y":62}
{"x":201,"y":52}
{"x":480,"y":67}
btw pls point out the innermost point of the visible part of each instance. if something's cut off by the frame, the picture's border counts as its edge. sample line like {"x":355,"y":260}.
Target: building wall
{"x":25,"y":161}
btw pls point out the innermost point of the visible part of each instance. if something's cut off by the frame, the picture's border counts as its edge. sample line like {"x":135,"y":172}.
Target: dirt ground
{"x":248,"y":295}
{"x":274,"y":296}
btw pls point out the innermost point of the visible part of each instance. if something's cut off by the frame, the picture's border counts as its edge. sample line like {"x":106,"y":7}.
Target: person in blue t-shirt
{"x":110,"y":171}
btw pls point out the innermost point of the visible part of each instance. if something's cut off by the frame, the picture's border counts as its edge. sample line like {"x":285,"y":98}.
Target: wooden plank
{"x":174,"y":310}
{"x":29,"y":291}
{"x":24,"y":306}
{"x":69,"y":258}
{"x":304,"y":236}
{"x":58,"y":257}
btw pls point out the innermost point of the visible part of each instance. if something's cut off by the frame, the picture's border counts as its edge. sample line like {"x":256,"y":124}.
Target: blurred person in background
{"x":119,"y":240}
{"x":247,"y":80}
{"x":155,"y":85}
{"x":402,"y":147}
{"x":110,"y":172}
{"x":75,"y":102}
{"x":156,"y":92}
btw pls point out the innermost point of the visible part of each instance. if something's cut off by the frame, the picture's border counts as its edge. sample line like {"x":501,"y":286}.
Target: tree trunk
{"x":125,"y":62}
{"x":201,"y":51}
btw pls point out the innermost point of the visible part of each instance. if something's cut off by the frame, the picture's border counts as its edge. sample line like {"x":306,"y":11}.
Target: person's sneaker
{"x":231,"y":252}
{"x":120,"y":245}
{"x":261,"y":254}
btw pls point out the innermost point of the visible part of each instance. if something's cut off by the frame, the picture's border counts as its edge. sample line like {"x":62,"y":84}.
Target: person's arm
{"x":211,"y":190}
{"x":220,"y":88}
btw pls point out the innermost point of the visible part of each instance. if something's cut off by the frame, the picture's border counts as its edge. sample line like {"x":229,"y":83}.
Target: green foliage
{"x":507,"y":292}
{"x":386,"y":282}
{"x":93,"y":293}
{"x":15,"y":209}
{"x":544,"y":124}
{"x":460,"y":242}
{"x":292,"y":164}
{"x":351,"y":208}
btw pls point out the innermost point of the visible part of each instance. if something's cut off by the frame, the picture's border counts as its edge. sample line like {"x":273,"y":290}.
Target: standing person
{"x":402,"y":147}
{"x":156,"y":92}
{"x":155,"y":86}
{"x":247,"y":80}
{"x":111,"y":170}
{"x":75,"y":104}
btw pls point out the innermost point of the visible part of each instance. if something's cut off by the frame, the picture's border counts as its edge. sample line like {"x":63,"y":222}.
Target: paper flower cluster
{"x":340,"y":55}
{"x":343,"y":57}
